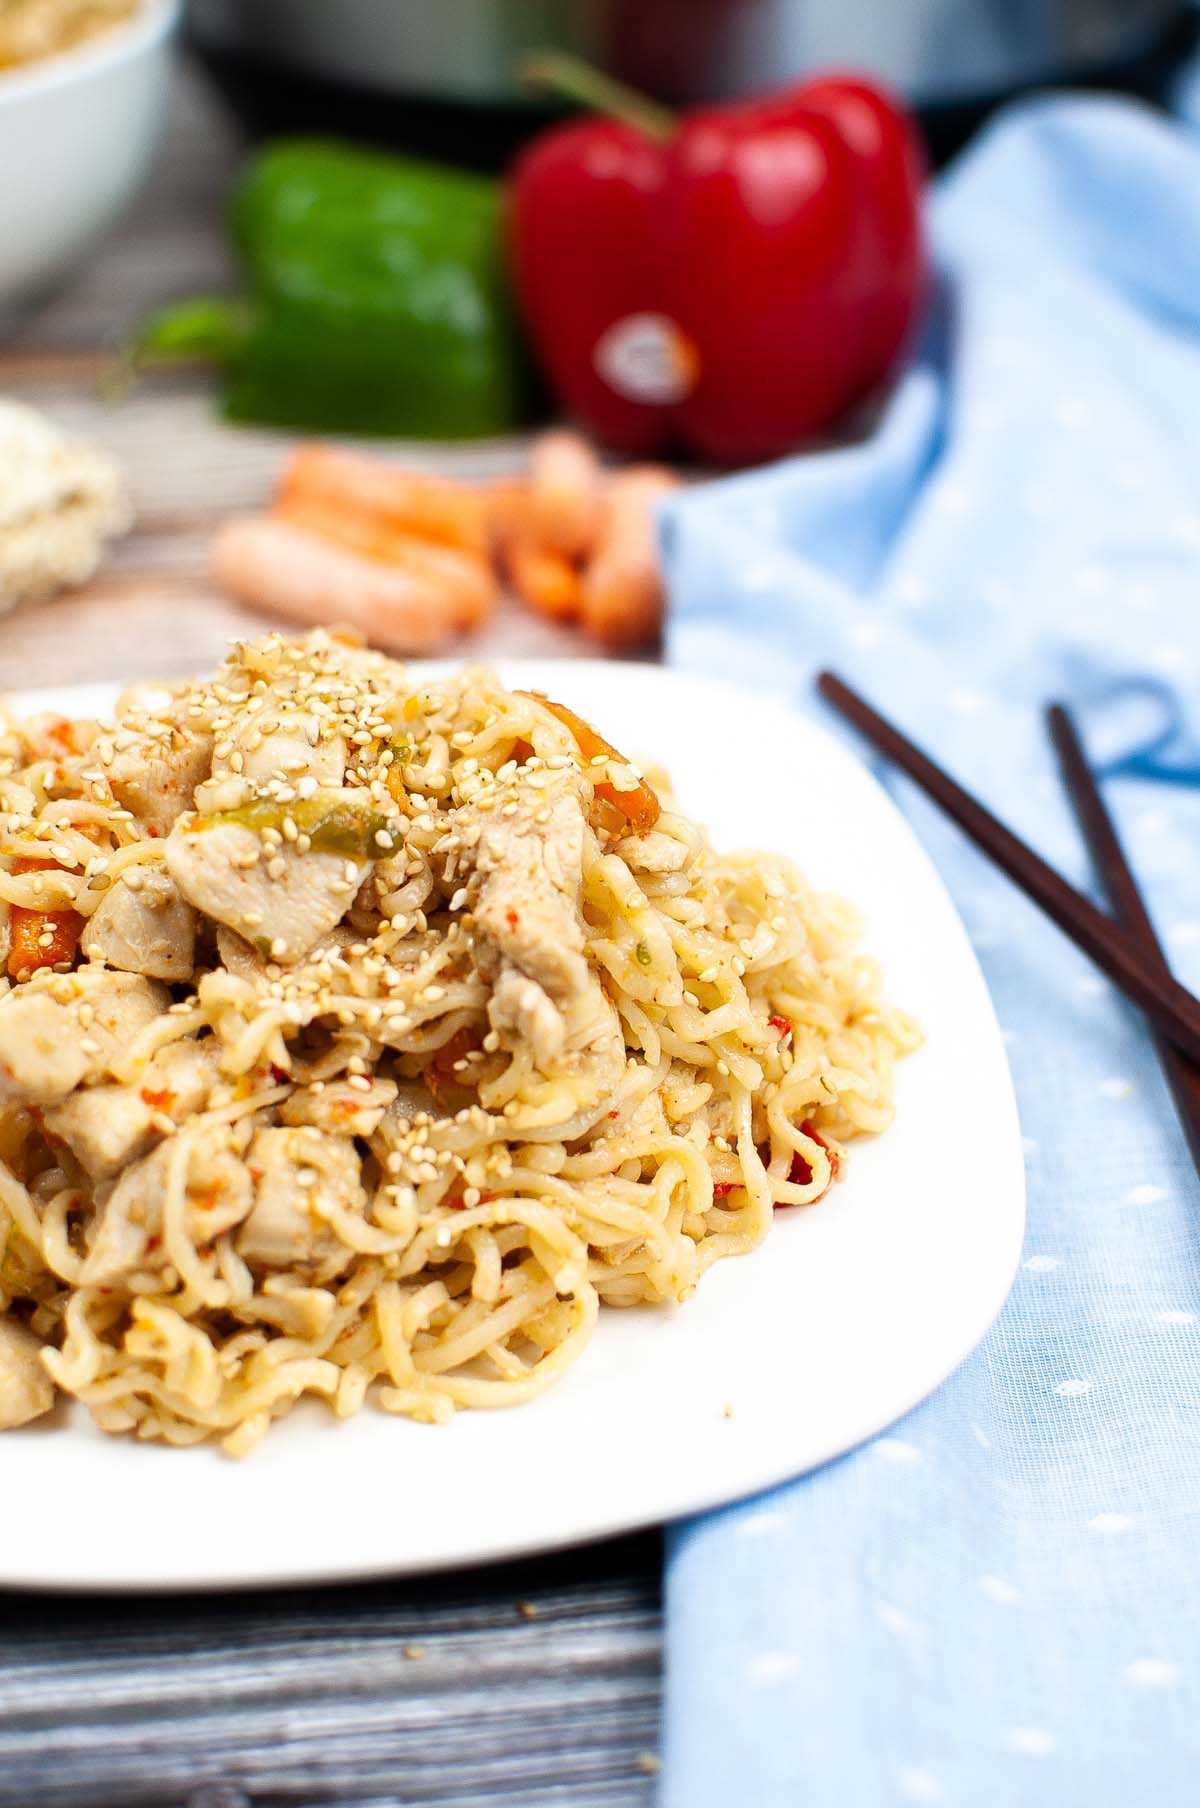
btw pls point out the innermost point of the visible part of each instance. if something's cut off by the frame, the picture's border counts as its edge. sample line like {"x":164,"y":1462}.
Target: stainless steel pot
{"x":935,"y":51}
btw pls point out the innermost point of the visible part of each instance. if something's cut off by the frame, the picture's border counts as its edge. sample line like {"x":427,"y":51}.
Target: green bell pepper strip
{"x":377,"y":301}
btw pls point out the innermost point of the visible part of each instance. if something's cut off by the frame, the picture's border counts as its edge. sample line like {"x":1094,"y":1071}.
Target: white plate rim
{"x":928,"y":1361}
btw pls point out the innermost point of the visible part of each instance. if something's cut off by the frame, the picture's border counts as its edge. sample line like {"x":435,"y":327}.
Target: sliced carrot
{"x":41,"y":938}
{"x":566,"y":502}
{"x":468,"y":580}
{"x":433,"y":508}
{"x":640,"y":807}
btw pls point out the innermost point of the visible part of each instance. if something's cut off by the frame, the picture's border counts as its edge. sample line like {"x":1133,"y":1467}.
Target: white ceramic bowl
{"x":77,"y":132}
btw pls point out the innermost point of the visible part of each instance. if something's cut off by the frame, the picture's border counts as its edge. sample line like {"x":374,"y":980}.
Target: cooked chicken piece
{"x":143,"y":925}
{"x":289,"y":745}
{"x":520,"y":1011}
{"x":57,"y":1030}
{"x":238,"y":957}
{"x":107,"y":1127}
{"x":26,"y":1390}
{"x":527,"y":907}
{"x":298,"y":1172}
{"x":219,"y":1195}
{"x":531,"y":872}
{"x":339,"y":1108}
{"x":653,"y":852}
{"x":54,"y":737}
{"x":156,"y":778}
{"x":281,"y":901}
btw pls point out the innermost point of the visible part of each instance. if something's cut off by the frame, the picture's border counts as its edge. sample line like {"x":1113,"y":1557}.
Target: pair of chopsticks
{"x":1123,"y":946}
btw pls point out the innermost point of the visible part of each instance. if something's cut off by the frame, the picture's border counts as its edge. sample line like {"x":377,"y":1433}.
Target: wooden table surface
{"x":524,"y":1685}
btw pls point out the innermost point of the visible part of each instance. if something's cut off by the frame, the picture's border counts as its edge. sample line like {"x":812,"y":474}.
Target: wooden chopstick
{"x":1170,"y":1006}
{"x":1116,"y":876}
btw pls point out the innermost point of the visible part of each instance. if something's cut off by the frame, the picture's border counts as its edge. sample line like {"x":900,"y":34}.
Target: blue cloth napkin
{"x":998,"y":1602}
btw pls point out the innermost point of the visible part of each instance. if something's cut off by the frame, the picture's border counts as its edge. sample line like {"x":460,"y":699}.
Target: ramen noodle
{"x":367,"y":1034}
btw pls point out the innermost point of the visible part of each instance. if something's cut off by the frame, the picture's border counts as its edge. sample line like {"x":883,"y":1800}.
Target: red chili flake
{"x":782,"y":1024}
{"x":512,"y":918}
{"x":614,"y":1114}
{"x":153,"y":831}
{"x":208,"y":1200}
{"x":800,"y":1173}
{"x":63,"y":734}
{"x":280,"y":1075}
{"x":204,"y":1250}
{"x":153,"y":1243}
{"x":721,"y":1187}
{"x":158,"y":1101}
{"x":255,"y":1174}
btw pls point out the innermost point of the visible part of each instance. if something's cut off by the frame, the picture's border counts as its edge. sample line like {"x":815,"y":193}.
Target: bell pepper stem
{"x":206,"y":329}
{"x":556,"y":72}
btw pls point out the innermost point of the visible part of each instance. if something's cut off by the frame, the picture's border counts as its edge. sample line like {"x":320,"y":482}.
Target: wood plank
{"x":525,"y":1685}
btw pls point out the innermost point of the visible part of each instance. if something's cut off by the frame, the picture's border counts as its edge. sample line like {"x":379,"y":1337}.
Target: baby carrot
{"x":467,"y":579}
{"x":566,"y":504}
{"x":622,"y":595}
{"x":432,"y":507}
{"x":272,"y":564}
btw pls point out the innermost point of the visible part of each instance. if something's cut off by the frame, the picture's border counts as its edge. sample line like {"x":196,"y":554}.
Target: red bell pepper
{"x":731,"y":280}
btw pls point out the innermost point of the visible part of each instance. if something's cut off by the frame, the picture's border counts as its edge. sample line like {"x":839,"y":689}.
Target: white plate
{"x":845,"y":1318}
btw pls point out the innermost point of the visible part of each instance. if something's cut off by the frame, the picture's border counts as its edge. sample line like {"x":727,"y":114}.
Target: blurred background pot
{"x":950,"y":58}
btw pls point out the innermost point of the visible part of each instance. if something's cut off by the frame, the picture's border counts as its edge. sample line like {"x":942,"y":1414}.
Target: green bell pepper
{"x":377,"y":301}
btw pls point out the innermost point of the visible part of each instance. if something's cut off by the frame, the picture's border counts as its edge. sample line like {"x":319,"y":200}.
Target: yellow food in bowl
{"x":32,"y":29}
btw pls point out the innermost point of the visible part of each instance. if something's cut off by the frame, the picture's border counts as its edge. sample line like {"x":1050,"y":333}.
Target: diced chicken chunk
{"x":143,"y":925}
{"x":224,"y":871}
{"x":106,"y":1127}
{"x":654,"y":852}
{"x":125,"y":1237}
{"x":299,"y":1174}
{"x":238,"y":957}
{"x":521,"y":1012}
{"x":531,"y":873}
{"x":155,"y":777}
{"x":339,"y":1108}
{"x":289,"y":746}
{"x":54,"y":737}
{"x":530,"y":867}
{"x":26,"y":1390}
{"x":58,"y":1030}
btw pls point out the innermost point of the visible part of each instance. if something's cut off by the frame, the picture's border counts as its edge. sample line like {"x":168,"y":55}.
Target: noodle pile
{"x":483,"y":1150}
